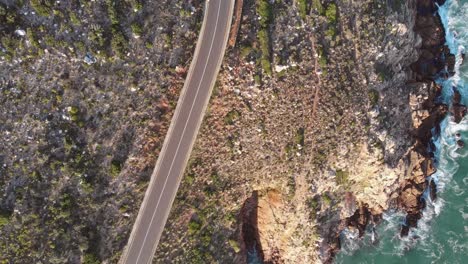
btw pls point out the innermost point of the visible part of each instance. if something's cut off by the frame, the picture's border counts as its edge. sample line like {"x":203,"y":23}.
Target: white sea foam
{"x":454,"y":15}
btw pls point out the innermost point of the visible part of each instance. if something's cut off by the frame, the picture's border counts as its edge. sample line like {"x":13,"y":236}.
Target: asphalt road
{"x":182,"y":133}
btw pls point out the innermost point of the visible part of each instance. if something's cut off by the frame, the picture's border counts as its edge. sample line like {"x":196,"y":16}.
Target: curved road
{"x":182,"y":132}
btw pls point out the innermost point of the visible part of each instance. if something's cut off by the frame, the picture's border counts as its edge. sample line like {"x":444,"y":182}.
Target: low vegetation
{"x":264,"y":11}
{"x":342,"y":177}
{"x":78,"y":99}
{"x":331,"y":14}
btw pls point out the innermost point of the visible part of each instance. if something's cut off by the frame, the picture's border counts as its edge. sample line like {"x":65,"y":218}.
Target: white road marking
{"x":183,"y":133}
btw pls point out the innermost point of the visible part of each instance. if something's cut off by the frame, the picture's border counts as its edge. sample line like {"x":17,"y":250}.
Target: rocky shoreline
{"x":435,"y":61}
{"x":410,"y":164}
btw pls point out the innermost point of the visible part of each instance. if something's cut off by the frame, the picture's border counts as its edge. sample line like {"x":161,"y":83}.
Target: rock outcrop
{"x":251,"y":244}
{"x":458,"y":110}
{"x":267,"y":231}
{"x":412,"y":168}
{"x":435,"y":61}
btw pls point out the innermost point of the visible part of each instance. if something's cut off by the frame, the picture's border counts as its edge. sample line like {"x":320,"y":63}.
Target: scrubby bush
{"x":265,"y":12}
{"x":342,"y":177}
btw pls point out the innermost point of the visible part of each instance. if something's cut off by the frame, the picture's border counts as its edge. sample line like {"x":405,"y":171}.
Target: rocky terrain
{"x":267,"y":154}
{"x":320,"y":120}
{"x":87,"y":90}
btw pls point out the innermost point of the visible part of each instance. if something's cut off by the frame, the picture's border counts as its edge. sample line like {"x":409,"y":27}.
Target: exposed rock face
{"x":458,"y":110}
{"x":433,"y":49}
{"x":390,"y":169}
{"x":410,"y":169}
{"x":251,"y":246}
{"x":434,"y":58}
{"x":360,"y":219}
{"x":267,"y":231}
{"x":271,"y":224}
{"x":410,"y":196}
{"x":434,"y":61}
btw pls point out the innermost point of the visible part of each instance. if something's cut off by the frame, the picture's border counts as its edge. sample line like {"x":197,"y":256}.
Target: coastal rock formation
{"x":414,"y":164}
{"x":458,"y":110}
{"x":434,"y":58}
{"x":360,"y":219}
{"x":435,"y":61}
{"x":434,"y":54}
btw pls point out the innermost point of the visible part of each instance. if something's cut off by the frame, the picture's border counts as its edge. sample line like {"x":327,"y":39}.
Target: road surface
{"x":182,"y":132}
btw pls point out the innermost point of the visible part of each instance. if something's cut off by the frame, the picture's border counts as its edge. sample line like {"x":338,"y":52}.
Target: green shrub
{"x":234,"y":245}
{"x":326,"y":199}
{"x":264,"y":43}
{"x":49,"y":40}
{"x":32,"y":38}
{"x":317,"y":5}
{"x":194,"y":227}
{"x":74,"y":19}
{"x":265,"y":13}
{"x":299,"y":138}
{"x":373,"y":96}
{"x":116,"y":168}
{"x":90,"y":258}
{"x":3,"y":11}
{"x":312,"y":203}
{"x":96,"y":35}
{"x":137,"y":29}
{"x":4,"y":220}
{"x":245,"y":51}
{"x":331,"y":31}
{"x":119,"y":43}
{"x":331,"y":12}
{"x":10,"y":44}
{"x":342,"y":177}
{"x":73,"y":111}
{"x":231,"y":117}
{"x":112,"y":12}
{"x":42,"y":7}
{"x":137,"y":6}
{"x":149,"y":44}
{"x":303,"y":6}
{"x":322,"y":60}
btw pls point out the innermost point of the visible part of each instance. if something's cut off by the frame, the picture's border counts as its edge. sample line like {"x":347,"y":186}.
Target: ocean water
{"x":442,"y":233}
